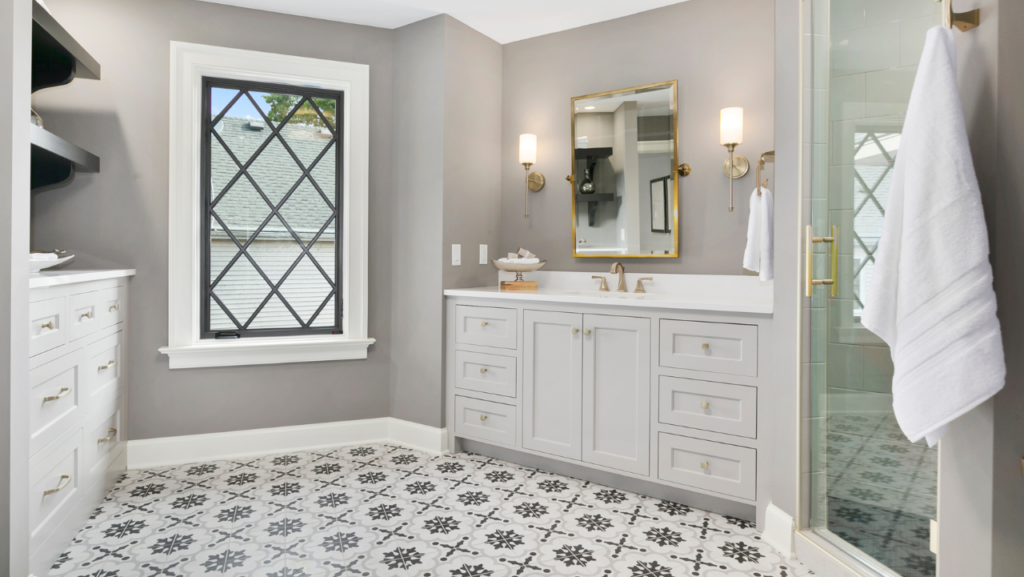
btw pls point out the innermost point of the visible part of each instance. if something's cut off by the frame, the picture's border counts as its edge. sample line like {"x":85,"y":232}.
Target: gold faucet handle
{"x":640,"y":284}
{"x":604,"y":283}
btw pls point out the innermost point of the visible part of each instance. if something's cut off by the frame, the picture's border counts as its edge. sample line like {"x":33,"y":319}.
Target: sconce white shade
{"x":527,"y":149}
{"x":732,"y":126}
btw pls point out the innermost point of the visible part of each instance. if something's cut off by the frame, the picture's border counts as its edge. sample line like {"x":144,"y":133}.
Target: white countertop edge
{"x":494,"y":293}
{"x":57,"y":278}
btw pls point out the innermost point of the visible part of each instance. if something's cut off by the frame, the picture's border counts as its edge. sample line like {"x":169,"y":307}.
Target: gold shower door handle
{"x":809,"y":260}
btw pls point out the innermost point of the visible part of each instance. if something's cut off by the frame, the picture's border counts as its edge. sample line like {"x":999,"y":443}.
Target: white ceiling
{"x":503,"y":20}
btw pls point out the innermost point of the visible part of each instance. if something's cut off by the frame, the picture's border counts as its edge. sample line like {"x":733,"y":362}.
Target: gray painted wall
{"x":720,"y":51}
{"x":121,"y":213}
{"x":15,"y":78}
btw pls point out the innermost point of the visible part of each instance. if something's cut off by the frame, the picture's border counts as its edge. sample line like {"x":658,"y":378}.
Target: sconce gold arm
{"x":809,"y":260}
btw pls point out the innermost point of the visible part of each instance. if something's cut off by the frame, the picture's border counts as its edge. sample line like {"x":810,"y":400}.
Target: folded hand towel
{"x":523,"y":253}
{"x":931,"y":296}
{"x":759,"y":255}
{"x":42,"y":256}
{"x":520,"y":260}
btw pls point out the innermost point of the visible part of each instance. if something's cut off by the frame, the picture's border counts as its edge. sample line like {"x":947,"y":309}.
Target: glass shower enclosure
{"x":873,"y":493}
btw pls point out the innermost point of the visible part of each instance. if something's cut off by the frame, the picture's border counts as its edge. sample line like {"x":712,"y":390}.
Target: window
{"x":268,"y":216}
{"x":272,"y":202}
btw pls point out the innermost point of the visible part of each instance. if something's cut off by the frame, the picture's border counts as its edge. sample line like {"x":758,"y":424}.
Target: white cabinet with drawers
{"x":667,"y":395}
{"x":77,"y":402}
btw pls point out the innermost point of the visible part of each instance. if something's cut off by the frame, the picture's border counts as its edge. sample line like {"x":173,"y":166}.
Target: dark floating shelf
{"x":585,"y":153}
{"x":592,"y":200}
{"x":55,"y":160}
{"x":57,"y":58}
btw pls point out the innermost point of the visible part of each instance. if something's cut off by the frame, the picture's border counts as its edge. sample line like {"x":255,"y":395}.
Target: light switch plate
{"x":483,"y":254}
{"x":456,"y":254}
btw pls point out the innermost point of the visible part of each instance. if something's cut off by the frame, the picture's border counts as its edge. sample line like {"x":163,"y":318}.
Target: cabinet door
{"x":616,"y":392}
{"x":552,"y":382}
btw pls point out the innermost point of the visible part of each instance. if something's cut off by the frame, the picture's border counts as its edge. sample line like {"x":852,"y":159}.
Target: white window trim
{"x":189,"y":64}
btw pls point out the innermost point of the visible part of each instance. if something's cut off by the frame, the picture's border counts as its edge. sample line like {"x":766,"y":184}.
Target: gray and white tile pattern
{"x":382,"y":510}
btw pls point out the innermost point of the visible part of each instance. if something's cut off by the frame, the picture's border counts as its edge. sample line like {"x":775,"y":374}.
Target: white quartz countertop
{"x":47,"y":278}
{"x":720,"y":293}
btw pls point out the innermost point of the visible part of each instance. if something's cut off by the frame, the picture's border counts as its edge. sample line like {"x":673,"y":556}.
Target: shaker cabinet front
{"x":553,"y":383}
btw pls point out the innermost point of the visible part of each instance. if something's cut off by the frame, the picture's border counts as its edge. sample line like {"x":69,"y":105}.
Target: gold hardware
{"x":704,"y":464}
{"x":483,"y":370}
{"x":683,"y":170}
{"x":114,"y":307}
{"x":60,"y":395}
{"x":48,"y":325}
{"x":569,"y":179}
{"x":483,"y":417}
{"x":622,"y":276}
{"x":483,"y":323}
{"x":604,"y":283}
{"x":110,"y":364}
{"x":704,"y":404}
{"x":964,"y":21}
{"x":705,"y":346}
{"x":809,"y":257}
{"x":640,"y":284}
{"x":586,"y":332}
{"x":575,"y":330}
{"x":111,"y":433}
{"x":85,"y":315}
{"x":65,"y":479}
{"x":535,"y":181}
{"x":736,"y":166}
{"x":766,"y":157}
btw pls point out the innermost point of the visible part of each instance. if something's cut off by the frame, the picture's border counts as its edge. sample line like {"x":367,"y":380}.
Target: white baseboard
{"x":168,"y":451}
{"x":778,"y":530}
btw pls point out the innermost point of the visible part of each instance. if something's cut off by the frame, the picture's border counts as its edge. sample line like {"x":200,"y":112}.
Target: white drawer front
{"x":47,"y":325}
{"x":56,"y":399}
{"x":718,"y":407}
{"x":716,"y":467}
{"x":103,"y":434}
{"x":110,"y":306}
{"x":103,"y":369}
{"x":486,"y":326}
{"x":83,"y":315}
{"x":59,"y":474}
{"x":485,"y":373}
{"x":485,"y":421}
{"x":712,"y":347}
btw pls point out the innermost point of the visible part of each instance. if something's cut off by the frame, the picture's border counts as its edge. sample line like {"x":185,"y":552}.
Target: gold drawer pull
{"x":483,"y":323}
{"x":705,"y":346}
{"x":586,"y":332}
{"x":114,"y":307}
{"x":575,"y":330}
{"x":48,"y":325}
{"x":704,"y":404}
{"x":111,"y":433}
{"x":483,"y":370}
{"x":64,"y":480}
{"x":63,"y":393}
{"x":109,"y":365}
{"x":85,"y":315}
{"x":483,"y":417}
{"x":704,"y":465}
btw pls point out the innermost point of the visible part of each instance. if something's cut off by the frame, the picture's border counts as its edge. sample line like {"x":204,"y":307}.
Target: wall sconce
{"x":528,"y":157}
{"x":737,"y":165}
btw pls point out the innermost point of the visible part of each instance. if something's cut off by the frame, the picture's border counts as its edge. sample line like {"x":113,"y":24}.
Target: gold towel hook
{"x":766,"y":157}
{"x":963,"y":20}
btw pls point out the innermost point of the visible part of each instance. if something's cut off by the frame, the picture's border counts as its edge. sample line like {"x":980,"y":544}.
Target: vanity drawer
{"x":54,"y":488}
{"x":103,"y":433}
{"x":485,"y":421}
{"x":102,"y":369}
{"x":486,"y":326}
{"x":110,"y":308}
{"x":485,"y":373}
{"x":82,"y":315}
{"x":710,"y":347}
{"x":716,"y":467}
{"x":55,"y":399}
{"x":731,"y":409}
{"x":47,"y":325}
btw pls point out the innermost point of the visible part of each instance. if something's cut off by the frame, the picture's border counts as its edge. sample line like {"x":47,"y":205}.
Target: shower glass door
{"x":873,"y":493}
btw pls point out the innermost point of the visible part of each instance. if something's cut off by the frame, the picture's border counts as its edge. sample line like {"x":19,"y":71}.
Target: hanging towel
{"x":931,"y":297}
{"x":759,"y":254}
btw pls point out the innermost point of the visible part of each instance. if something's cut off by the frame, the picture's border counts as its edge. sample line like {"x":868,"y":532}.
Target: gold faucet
{"x":622,"y":276}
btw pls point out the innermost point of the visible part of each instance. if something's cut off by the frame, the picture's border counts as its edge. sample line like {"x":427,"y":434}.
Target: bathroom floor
{"x":382,"y":510}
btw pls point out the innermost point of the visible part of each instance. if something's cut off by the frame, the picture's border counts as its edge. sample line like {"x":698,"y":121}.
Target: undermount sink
{"x":608,"y":295}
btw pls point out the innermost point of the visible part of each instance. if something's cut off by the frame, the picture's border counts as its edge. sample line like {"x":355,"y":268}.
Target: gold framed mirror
{"x":625,"y":187}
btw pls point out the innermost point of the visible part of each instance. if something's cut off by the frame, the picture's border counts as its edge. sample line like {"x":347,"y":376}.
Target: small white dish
{"x":38,"y":265}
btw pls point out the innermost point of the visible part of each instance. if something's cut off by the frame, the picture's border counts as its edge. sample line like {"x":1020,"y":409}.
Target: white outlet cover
{"x":456,"y":255}
{"x":483,"y":254}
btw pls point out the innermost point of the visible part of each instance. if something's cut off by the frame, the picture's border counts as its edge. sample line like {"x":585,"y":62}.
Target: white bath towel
{"x":759,"y":255}
{"x":42,"y":256}
{"x":931,"y":296}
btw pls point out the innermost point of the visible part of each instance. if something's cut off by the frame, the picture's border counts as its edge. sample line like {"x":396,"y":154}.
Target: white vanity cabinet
{"x":641,"y":387}
{"x":77,"y":402}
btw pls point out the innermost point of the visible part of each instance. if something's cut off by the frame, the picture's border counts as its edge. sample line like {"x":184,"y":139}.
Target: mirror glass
{"x":626,"y":190}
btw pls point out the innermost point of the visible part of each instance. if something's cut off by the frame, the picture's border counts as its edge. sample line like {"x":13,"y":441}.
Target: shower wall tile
{"x":820,"y":60}
{"x":912,"y":35}
{"x":880,"y":11}
{"x":819,"y":321}
{"x":846,"y":97}
{"x":866,"y":49}
{"x":846,"y":14}
{"x":820,"y":101}
{"x":845,"y":137}
{"x":816,"y":430}
{"x":887,"y":92}
{"x":844,"y":220}
{"x":878,"y":370}
{"x":819,"y":176}
{"x":819,"y":16}
{"x":818,"y":389}
{"x":846,"y":366}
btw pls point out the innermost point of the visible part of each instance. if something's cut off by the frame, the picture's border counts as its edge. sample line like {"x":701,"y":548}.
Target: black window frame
{"x":208,"y":196}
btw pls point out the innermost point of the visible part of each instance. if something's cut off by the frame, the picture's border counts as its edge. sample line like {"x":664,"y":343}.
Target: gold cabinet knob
{"x":575,"y":330}
{"x":586,"y":332}
{"x":704,"y":404}
{"x":705,"y":346}
{"x":483,"y":323}
{"x":483,"y":417}
{"x":48,"y":325}
{"x":115,"y":307}
{"x":85,"y":315}
{"x":704,"y":465}
{"x":483,"y":370}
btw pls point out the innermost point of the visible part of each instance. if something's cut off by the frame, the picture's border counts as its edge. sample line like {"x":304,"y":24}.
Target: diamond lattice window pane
{"x":275,"y":250}
{"x":323,"y":250}
{"x":275,"y":171}
{"x":222,"y":168}
{"x":242,"y":130}
{"x":326,"y":316}
{"x":220,"y":98}
{"x":305,"y":288}
{"x":274,"y":316}
{"x":306,"y":211}
{"x":242,"y":290}
{"x":276,"y":105}
{"x":242,"y":210}
{"x":306,"y":137}
{"x":218,"y":320}
{"x":325,"y":173}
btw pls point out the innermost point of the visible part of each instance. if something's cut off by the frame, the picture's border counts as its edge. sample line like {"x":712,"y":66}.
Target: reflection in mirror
{"x":625,"y":198}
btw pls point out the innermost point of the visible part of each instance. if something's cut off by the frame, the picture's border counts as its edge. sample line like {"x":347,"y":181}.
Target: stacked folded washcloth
{"x":522,"y":257}
{"x":42,"y":256}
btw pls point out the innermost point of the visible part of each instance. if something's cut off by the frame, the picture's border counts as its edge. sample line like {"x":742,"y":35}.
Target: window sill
{"x":266,"y":351}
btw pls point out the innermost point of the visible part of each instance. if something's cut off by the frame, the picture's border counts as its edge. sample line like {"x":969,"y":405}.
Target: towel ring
{"x":766,"y":157}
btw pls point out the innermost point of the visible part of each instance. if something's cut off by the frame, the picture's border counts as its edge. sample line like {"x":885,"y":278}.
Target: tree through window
{"x":271,"y":160}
